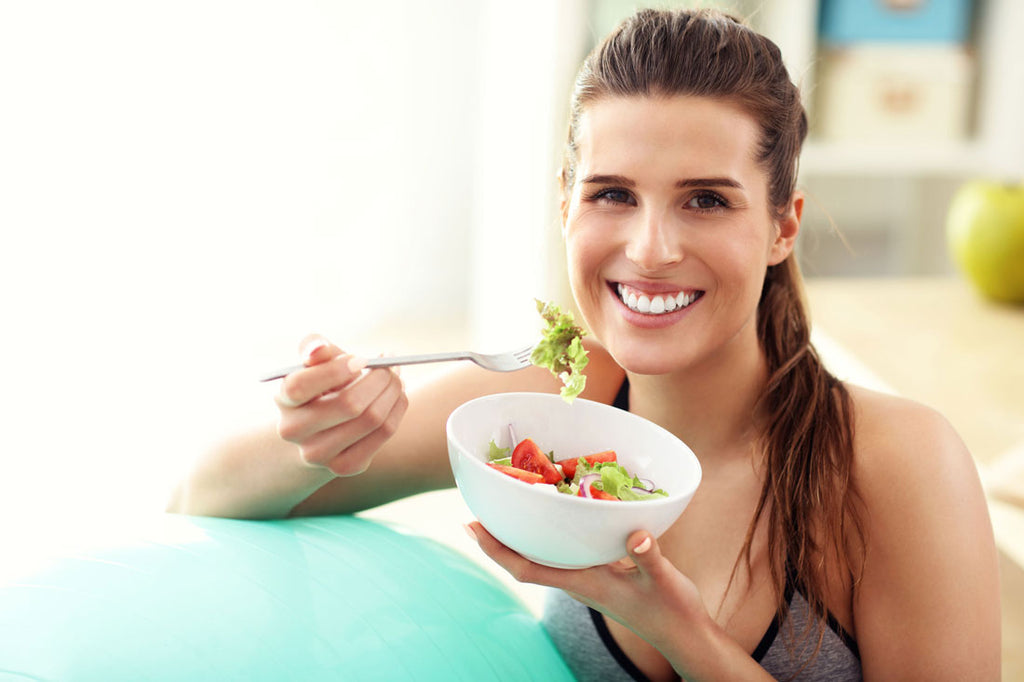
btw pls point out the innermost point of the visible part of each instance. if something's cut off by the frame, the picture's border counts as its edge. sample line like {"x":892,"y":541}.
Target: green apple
{"x":985,"y":231}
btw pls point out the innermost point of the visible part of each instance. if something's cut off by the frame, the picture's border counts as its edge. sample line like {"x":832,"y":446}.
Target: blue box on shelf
{"x":845,"y":22}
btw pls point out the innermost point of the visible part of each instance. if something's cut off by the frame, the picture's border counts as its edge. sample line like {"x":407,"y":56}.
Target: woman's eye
{"x":615,"y":196}
{"x":706,"y":201}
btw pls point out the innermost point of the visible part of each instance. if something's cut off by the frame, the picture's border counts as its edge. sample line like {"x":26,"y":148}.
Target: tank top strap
{"x":622,"y":397}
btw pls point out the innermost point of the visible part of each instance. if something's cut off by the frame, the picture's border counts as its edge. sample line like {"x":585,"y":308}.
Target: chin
{"x":638,"y":350}
{"x":644,"y":358}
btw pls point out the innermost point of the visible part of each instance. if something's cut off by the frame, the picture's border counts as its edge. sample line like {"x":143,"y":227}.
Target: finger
{"x":340,"y":406}
{"x":518,"y":566}
{"x":361,"y":435}
{"x":645,"y":553}
{"x":305,"y":385}
{"x":315,"y":349}
{"x":356,"y":459}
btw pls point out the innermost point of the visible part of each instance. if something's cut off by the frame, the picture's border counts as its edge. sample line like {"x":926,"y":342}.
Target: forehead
{"x":681,"y":135}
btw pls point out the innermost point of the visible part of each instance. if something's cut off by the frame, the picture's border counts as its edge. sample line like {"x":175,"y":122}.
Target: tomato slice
{"x":529,"y":457}
{"x":525,"y":476}
{"x":569,"y":465}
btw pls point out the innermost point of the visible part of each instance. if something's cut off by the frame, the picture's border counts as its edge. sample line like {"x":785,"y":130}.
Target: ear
{"x":563,"y":199}
{"x":787,"y":228}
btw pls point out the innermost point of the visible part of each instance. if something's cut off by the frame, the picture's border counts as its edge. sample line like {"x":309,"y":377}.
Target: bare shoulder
{"x":897,"y":436}
{"x":912,"y":470}
{"x":927,"y":603}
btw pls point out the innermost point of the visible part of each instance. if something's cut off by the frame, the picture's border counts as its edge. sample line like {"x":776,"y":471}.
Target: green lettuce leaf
{"x":560,"y":349}
{"x":615,"y":480}
{"x":495,"y":454}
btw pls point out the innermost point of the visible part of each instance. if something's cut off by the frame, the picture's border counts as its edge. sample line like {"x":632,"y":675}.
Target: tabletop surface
{"x":935,"y":341}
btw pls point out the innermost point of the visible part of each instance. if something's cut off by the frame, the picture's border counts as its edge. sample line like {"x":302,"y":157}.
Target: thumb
{"x":315,"y":349}
{"x":644,"y":551}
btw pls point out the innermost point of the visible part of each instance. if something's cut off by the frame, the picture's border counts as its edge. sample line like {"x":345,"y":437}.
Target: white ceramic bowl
{"x":553,"y":528}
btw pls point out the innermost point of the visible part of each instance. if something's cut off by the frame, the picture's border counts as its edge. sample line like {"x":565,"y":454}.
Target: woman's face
{"x":668,"y":230}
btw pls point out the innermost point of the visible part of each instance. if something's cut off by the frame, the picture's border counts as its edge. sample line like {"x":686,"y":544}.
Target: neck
{"x":712,"y":407}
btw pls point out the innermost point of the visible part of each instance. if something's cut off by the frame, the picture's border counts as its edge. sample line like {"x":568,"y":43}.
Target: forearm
{"x":257,"y":476}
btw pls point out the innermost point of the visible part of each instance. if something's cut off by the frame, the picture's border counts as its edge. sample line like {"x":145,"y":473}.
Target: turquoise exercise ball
{"x":181,"y":598}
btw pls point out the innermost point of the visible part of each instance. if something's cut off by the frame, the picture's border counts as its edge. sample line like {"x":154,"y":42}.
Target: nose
{"x":653,"y":243}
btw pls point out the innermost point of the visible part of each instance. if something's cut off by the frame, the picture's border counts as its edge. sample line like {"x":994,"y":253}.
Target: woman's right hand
{"x":338,"y":413}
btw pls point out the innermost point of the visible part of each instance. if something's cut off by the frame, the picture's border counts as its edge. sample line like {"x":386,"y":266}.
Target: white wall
{"x":529,"y":56}
{"x":187,"y":188}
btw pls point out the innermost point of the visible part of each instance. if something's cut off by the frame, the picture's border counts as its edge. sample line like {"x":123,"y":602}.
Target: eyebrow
{"x":681,"y":184}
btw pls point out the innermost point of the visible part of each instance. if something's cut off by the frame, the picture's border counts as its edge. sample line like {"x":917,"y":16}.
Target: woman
{"x":837,"y":533}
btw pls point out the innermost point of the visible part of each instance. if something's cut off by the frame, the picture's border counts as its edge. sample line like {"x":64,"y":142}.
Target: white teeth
{"x":655,"y":305}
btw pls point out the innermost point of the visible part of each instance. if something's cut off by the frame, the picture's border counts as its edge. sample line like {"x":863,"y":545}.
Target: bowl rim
{"x":673,"y":497}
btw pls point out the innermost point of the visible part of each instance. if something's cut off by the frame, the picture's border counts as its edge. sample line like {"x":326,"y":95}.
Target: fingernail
{"x":311,"y":348}
{"x":356,"y":364}
{"x":470,"y":532}
{"x":644,"y":545}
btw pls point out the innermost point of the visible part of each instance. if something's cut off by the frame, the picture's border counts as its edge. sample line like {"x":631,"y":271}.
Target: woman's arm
{"x":928,"y":604}
{"x":650,"y":596}
{"x":338,"y":421}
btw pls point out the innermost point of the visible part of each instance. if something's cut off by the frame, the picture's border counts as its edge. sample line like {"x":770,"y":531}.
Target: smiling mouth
{"x":655,"y":304}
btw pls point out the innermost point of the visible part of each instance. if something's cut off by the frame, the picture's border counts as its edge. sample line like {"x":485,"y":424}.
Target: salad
{"x":598,"y":476}
{"x":561,"y":349}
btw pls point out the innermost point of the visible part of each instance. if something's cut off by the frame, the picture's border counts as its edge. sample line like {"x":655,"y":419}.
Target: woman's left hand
{"x":644,"y":591}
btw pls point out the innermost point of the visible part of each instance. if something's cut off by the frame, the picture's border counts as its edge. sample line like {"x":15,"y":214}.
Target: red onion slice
{"x":586,"y":482}
{"x":648,"y":484}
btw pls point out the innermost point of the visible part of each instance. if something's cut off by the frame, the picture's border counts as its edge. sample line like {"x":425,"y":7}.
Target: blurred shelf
{"x":949,"y":159}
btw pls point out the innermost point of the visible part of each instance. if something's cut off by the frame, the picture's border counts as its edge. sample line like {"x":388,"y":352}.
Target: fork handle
{"x":383,"y":362}
{"x":421,"y":359}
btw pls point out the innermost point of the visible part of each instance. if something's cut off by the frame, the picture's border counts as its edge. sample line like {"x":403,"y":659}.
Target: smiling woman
{"x":791,"y":561}
{"x":797,"y":558}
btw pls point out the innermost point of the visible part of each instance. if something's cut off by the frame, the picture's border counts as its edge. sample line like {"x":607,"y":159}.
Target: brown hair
{"x":807,"y":496}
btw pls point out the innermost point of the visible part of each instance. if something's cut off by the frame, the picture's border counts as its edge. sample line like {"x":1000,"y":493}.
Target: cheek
{"x":752,"y":247}
{"x":577,"y":252}
{"x":584,"y":258}
{"x":576,"y":265}
{"x":739,"y":266}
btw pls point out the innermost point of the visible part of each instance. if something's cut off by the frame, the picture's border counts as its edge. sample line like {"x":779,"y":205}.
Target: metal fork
{"x":496,"y":362}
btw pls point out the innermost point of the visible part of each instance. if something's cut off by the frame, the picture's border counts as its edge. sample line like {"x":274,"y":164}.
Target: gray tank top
{"x":583,"y":638}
